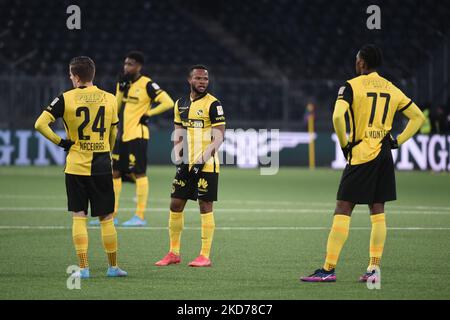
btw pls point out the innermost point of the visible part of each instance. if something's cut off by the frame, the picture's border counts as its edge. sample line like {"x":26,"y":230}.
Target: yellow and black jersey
{"x":373,"y":102}
{"x":135,"y":102}
{"x":88,"y":114}
{"x":198,"y":117}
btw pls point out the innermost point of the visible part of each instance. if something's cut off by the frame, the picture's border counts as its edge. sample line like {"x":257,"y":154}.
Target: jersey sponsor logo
{"x":49,"y":108}
{"x":202,"y":185}
{"x":219,"y":110}
{"x":193,"y":123}
{"x":130,"y":99}
{"x":131,"y":161}
{"x":220,"y":118}
{"x":178,"y":182}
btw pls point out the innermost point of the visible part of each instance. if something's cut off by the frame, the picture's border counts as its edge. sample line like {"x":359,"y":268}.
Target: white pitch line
{"x":238,"y":202}
{"x":225,"y":228}
{"x":243,"y":210}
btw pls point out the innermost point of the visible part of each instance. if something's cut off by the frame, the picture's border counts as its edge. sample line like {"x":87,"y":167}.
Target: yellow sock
{"x":142,"y":194}
{"x":117,"y":183}
{"x":336,"y":239}
{"x":80,"y":240}
{"x":208,"y":226}
{"x":176,"y":224}
{"x":109,"y":239}
{"x":377,"y":239}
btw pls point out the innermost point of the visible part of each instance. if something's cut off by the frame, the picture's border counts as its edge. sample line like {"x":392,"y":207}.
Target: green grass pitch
{"x":270,"y":230}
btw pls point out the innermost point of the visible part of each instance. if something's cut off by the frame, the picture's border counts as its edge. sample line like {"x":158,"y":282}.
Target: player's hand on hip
{"x":124,"y":82}
{"x":66,"y":144}
{"x":348,"y":148}
{"x":393,"y":142}
{"x":144,"y":119}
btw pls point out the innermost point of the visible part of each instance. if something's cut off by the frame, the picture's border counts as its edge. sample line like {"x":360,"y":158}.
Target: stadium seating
{"x":302,"y":40}
{"x":300,"y":37}
{"x":109,"y":29}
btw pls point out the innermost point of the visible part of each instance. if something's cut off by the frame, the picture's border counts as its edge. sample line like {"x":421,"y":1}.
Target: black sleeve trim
{"x":346,"y":93}
{"x":216,"y":114}
{"x":56,"y":107}
{"x":178,"y":123}
{"x":115,"y":123}
{"x":152,"y":91}
{"x":406,"y":107}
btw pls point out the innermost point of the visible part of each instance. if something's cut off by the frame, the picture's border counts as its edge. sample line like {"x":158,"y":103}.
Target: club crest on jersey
{"x":132,"y":160}
{"x":200,"y":113}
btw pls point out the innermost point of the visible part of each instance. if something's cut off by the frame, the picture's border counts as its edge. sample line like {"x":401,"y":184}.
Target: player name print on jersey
{"x":93,"y":97}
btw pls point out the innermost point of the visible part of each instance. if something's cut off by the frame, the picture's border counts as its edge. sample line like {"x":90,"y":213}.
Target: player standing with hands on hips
{"x":90,"y":119}
{"x":371,"y":102}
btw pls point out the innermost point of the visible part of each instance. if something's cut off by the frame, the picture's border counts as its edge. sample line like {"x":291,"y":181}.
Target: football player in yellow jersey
{"x":199,"y":131}
{"x":371,"y":102}
{"x":90,"y":119}
{"x":136,"y":94}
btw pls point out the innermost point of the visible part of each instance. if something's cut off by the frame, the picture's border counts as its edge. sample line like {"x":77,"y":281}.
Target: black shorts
{"x":371,"y":182}
{"x":130,"y":156}
{"x":96,"y":190}
{"x":204,"y":188}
